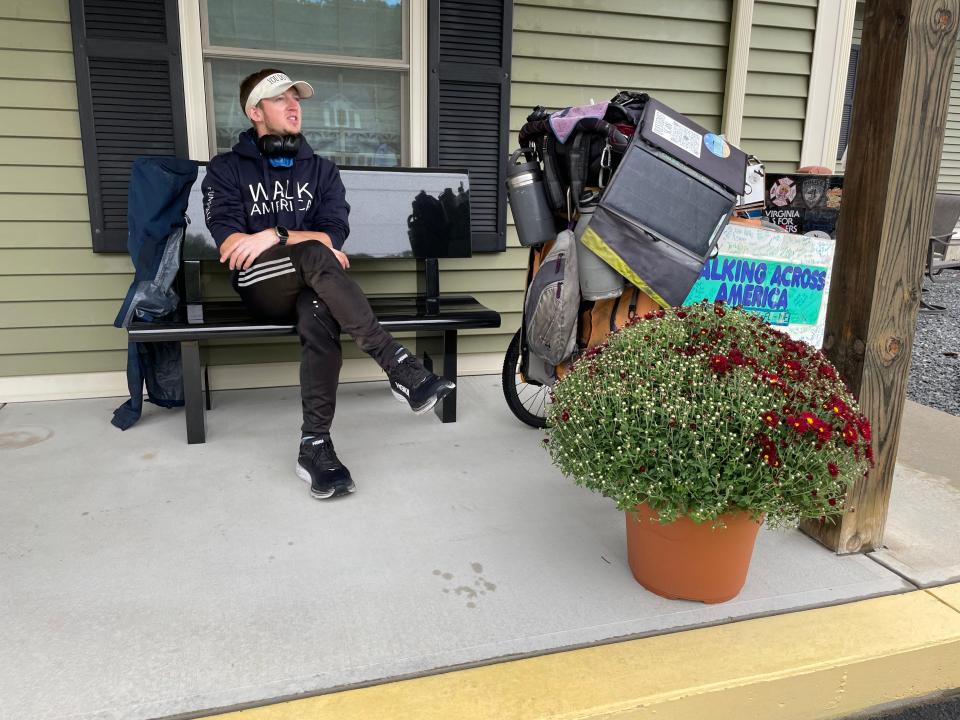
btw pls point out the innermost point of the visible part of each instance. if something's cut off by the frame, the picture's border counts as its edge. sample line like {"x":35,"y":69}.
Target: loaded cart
{"x":621,"y":203}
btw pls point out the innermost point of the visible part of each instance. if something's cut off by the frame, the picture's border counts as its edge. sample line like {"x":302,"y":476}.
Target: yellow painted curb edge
{"x":810,"y":665}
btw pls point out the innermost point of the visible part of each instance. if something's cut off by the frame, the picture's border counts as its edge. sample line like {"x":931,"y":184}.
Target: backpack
{"x":591,"y":152}
{"x":553,"y":302}
{"x":607,"y":316}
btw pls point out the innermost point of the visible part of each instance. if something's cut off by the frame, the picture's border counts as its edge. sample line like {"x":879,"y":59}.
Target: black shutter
{"x":469,"y":105}
{"x":130,"y":92}
{"x":848,"y":100}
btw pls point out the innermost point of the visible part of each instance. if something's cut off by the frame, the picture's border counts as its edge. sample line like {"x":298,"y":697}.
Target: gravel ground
{"x":935,"y":368}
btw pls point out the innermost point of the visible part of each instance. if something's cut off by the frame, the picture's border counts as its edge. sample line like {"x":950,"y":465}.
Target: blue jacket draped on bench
{"x":156,"y":208}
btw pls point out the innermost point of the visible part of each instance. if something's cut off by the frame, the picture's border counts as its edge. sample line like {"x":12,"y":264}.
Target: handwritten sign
{"x":783,"y":278}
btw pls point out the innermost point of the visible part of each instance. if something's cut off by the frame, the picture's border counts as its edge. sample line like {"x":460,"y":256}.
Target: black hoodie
{"x":243,"y":193}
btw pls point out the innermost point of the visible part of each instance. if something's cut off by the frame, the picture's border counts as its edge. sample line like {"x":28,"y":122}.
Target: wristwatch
{"x":282,"y":234}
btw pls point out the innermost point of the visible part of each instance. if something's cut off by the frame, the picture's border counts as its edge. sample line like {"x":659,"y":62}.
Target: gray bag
{"x":553,"y":302}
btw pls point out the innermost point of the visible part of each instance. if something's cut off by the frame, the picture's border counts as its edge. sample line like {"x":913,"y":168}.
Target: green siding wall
{"x":778,"y":72}
{"x":569,"y":52}
{"x":949,"y":178}
{"x":58,"y":299}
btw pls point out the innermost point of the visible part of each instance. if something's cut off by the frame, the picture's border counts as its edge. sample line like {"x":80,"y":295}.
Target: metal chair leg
{"x":930,"y":308}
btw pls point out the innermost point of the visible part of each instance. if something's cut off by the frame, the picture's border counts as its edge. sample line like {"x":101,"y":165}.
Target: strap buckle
{"x":605,"y":167}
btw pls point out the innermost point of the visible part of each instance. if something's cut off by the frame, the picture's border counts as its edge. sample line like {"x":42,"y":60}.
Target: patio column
{"x":900,"y":107}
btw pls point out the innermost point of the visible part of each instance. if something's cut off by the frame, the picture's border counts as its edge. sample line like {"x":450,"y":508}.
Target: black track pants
{"x":305,"y":282}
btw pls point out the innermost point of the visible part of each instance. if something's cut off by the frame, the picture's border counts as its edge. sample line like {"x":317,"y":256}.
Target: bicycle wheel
{"x":527,"y":401}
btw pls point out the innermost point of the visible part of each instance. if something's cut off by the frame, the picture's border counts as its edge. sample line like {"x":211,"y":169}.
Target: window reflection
{"x":354,"y":118}
{"x":358,"y":28}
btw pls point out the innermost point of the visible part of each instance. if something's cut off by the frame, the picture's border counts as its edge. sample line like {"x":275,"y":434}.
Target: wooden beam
{"x":900,"y":108}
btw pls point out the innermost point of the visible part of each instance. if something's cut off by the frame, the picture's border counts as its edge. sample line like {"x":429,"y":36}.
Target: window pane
{"x":354,"y":118}
{"x":360,"y":28}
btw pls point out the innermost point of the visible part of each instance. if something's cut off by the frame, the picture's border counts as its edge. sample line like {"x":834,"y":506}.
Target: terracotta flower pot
{"x":686,"y":561}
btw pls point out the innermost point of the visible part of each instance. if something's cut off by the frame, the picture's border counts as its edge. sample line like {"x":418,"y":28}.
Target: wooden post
{"x":900,"y":108}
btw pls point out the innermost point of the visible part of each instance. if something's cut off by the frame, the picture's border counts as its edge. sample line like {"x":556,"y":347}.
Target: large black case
{"x":664,"y":209}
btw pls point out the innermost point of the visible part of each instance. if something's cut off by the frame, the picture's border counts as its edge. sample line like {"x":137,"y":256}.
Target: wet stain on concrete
{"x":481,"y":586}
{"x":24,"y":437}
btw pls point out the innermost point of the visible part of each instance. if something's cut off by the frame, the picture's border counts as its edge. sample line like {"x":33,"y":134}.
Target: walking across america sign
{"x":782,"y":277}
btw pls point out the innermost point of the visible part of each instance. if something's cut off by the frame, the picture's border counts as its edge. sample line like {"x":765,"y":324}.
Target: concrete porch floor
{"x":141,"y":577}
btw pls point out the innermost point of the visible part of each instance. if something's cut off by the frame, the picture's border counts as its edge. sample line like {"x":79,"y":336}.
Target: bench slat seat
{"x":397,"y":313}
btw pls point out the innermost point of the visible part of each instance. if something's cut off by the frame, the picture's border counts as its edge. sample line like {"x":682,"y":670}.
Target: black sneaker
{"x":411,"y":381}
{"x":319,"y":465}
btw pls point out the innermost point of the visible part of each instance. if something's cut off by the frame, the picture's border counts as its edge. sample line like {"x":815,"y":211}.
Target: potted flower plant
{"x":701,"y":422}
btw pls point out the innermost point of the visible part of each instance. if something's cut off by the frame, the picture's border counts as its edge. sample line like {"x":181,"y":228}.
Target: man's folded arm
{"x":330,"y":215}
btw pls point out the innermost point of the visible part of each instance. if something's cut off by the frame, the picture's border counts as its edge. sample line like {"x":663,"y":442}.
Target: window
{"x":355,"y":54}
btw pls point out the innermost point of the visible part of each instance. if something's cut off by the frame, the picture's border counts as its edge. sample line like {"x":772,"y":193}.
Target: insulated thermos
{"x":598,"y":281}
{"x":528,"y":199}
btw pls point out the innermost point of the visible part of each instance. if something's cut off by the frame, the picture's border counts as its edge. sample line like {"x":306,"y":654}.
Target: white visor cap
{"x":276,"y":84}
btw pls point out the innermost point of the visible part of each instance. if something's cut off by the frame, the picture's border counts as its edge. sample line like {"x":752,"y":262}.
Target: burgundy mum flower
{"x":864,"y":427}
{"x":770,"y":418}
{"x":849,"y":434}
{"x":827,"y":371}
{"x":770,"y":456}
{"x":564,"y":416}
{"x":838,"y":407}
{"x":833,"y":469}
{"x":771,"y":378}
{"x":719,"y":364}
{"x":823,"y":431}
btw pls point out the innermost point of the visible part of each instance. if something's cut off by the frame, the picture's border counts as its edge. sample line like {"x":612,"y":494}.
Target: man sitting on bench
{"x":279,"y":216}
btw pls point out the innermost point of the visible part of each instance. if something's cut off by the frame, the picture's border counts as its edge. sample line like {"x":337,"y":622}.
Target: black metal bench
{"x":383,"y":225}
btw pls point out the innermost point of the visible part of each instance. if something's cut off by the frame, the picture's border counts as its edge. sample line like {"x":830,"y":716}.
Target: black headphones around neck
{"x":287,"y":146}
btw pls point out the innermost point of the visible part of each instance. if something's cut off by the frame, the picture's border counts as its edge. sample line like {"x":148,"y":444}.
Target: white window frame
{"x":195,"y":89}
{"x":828,"y":79}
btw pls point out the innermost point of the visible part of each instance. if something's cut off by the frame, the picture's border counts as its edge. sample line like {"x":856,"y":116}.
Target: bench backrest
{"x":394,"y":213}
{"x":402,"y":213}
